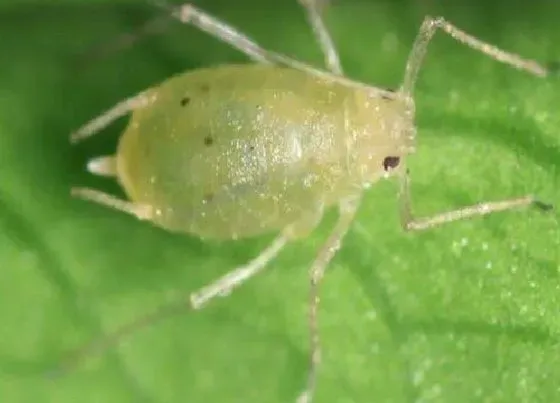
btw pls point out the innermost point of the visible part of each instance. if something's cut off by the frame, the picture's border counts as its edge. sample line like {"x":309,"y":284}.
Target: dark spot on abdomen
{"x":208,"y":141}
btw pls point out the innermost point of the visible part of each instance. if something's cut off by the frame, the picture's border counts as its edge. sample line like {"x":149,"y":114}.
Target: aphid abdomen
{"x":236,"y":151}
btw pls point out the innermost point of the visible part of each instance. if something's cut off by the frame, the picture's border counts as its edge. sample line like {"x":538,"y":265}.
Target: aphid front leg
{"x":140,"y":211}
{"x":322,"y":35}
{"x":347,"y":212}
{"x":427,"y":31}
{"x":409,"y":222}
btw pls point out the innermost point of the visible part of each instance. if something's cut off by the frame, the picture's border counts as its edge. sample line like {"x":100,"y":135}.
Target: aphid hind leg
{"x":98,"y":123}
{"x":238,"y":276}
{"x":123,"y":41}
{"x":427,"y":31}
{"x":347,"y":212}
{"x":332,"y":60}
{"x":197,"y":300}
{"x":224,"y":285}
{"x":409,"y":222}
{"x":189,"y":14}
{"x":140,"y":211}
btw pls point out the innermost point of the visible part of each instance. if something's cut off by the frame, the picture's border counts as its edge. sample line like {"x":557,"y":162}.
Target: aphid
{"x":242,"y":150}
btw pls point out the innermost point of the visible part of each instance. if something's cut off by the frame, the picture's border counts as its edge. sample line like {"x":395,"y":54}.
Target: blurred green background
{"x":468,"y":312}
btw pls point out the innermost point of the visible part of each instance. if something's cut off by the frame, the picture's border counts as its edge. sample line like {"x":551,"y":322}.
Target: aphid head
{"x":404,"y":130}
{"x":384,"y":133}
{"x":393,"y":113}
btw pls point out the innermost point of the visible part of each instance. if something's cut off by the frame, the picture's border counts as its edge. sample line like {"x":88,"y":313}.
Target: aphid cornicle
{"x":242,"y":150}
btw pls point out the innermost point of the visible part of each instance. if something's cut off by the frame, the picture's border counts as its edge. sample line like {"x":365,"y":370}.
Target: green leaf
{"x":465,"y":312}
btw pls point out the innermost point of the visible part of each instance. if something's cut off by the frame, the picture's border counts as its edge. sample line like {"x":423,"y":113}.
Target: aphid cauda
{"x":242,"y":150}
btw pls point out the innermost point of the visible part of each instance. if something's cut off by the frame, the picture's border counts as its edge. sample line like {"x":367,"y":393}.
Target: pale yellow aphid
{"x":242,"y":150}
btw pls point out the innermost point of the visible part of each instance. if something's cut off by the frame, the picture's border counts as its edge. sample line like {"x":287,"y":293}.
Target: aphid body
{"x":239,"y":150}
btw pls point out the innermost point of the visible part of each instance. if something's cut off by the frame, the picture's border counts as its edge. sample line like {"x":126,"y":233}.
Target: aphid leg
{"x":189,"y":14}
{"x":427,"y":30}
{"x":140,"y":211}
{"x":119,"y":110}
{"x":103,"y":166}
{"x":236,"y":277}
{"x":233,"y":279}
{"x":347,"y":212}
{"x":123,"y":41}
{"x":409,"y":222}
{"x":197,"y":300}
{"x":321,"y":32}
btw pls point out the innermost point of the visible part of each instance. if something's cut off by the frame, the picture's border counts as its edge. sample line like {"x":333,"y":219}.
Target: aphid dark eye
{"x":391,"y":162}
{"x":208,"y":141}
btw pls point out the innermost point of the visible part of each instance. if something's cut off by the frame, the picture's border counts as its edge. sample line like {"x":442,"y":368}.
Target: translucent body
{"x":238,"y":150}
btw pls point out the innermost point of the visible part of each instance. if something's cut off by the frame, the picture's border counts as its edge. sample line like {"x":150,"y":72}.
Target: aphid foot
{"x":553,"y":67}
{"x":542,"y":205}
